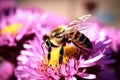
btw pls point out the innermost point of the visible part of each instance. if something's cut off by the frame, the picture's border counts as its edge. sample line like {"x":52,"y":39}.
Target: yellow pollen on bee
{"x":62,"y":26}
{"x":69,"y":51}
{"x":12,"y":29}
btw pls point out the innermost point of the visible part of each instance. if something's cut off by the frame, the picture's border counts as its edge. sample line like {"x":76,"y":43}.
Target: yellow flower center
{"x":12,"y":29}
{"x":69,"y":51}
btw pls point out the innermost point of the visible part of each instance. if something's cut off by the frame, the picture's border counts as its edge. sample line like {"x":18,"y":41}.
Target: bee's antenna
{"x":42,"y":47}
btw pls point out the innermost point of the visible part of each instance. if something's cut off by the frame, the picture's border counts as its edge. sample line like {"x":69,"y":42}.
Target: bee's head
{"x":45,"y":38}
{"x":49,"y":42}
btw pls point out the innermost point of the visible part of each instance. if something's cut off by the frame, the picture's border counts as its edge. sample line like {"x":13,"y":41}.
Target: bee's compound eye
{"x":46,"y":40}
{"x":45,"y":37}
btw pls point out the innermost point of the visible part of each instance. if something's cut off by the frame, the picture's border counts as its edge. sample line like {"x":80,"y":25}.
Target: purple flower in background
{"x":102,"y":30}
{"x":15,"y":28}
{"x":7,"y":7}
{"x":25,"y":22}
{"x":114,"y":34}
{"x":32,"y":61}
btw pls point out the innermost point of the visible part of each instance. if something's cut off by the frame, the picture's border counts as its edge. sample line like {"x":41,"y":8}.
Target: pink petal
{"x":92,"y":60}
{"x":87,"y":76}
{"x":72,"y":71}
{"x":63,"y":70}
{"x":23,"y":58}
{"x":86,"y":65}
{"x":27,"y":46}
{"x":52,"y":74}
{"x":26,"y":53}
{"x":70,"y":78}
{"x":71,"y":62}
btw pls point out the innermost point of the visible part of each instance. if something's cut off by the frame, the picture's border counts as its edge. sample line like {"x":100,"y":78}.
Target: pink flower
{"x":17,"y":28}
{"x":31,"y":61}
{"x":25,"y":22}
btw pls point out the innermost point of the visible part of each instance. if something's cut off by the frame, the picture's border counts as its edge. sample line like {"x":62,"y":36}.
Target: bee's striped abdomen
{"x":85,"y":41}
{"x":79,"y":39}
{"x":76,"y":35}
{"x":88,"y":43}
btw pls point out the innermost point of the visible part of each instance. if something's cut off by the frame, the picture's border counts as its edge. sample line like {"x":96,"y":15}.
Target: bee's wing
{"x":79,"y":20}
{"x":77,"y":25}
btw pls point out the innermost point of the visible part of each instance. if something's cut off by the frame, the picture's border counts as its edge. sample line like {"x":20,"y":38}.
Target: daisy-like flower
{"x":33,"y":64}
{"x":23,"y":23}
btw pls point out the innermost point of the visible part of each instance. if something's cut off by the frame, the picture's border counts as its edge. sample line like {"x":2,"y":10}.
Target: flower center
{"x":12,"y":29}
{"x":69,"y":51}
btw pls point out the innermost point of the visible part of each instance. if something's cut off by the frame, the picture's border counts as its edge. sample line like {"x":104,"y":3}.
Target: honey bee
{"x":68,"y":34}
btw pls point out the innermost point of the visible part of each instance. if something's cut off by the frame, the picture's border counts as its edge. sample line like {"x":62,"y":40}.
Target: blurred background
{"x":106,"y":11}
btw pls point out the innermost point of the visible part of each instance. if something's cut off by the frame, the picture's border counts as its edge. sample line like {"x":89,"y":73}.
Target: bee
{"x":68,"y":34}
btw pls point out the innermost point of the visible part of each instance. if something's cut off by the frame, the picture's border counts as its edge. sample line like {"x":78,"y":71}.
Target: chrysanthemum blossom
{"x":32,"y":61}
{"x":25,"y":22}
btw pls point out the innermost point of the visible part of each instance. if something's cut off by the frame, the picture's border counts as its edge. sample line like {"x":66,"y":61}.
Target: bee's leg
{"x":49,"y":51}
{"x":61,"y":55}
